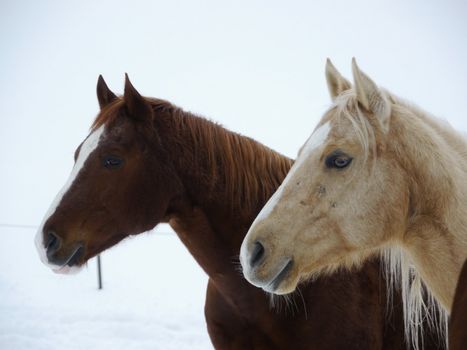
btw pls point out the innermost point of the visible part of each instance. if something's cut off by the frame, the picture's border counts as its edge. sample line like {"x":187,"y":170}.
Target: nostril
{"x":256,"y":254}
{"x":53,"y":242}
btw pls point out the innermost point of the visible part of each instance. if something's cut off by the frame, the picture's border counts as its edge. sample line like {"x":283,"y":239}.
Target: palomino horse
{"x":377,"y":175}
{"x":458,"y":319}
{"x":147,"y":161}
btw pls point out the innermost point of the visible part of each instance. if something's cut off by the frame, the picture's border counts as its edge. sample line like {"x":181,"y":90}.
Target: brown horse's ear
{"x":336,"y":82}
{"x":104,"y":95}
{"x":136,"y":105}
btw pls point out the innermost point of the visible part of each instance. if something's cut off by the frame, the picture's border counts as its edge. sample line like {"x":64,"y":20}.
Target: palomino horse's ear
{"x":371,"y":97}
{"x":104,"y":95}
{"x":136,"y":105}
{"x":336,"y":82}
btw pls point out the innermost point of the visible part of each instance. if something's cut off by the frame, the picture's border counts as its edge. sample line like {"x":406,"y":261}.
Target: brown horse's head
{"x":122,"y":184}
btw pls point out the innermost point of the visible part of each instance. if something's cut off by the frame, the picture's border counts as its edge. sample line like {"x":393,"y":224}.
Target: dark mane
{"x":240,"y":166}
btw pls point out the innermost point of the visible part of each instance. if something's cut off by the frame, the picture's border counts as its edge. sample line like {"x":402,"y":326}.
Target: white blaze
{"x":316,"y":139}
{"x":89,"y":145}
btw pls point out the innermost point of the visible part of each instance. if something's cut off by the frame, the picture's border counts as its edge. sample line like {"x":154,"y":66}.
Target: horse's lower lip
{"x":276,"y":281}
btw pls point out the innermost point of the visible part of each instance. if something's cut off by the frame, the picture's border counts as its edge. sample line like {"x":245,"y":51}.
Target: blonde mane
{"x":418,"y":303}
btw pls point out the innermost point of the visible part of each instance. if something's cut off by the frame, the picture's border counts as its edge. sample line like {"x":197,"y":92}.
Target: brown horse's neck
{"x":227,"y":178}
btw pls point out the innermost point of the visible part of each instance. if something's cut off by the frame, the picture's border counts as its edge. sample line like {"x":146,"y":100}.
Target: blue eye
{"x":338,"y":160}
{"x":112,"y":162}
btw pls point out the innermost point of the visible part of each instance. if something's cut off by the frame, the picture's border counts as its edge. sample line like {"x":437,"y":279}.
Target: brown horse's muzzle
{"x":59,"y":254}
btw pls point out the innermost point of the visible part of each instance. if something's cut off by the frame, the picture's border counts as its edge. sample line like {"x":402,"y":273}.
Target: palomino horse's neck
{"x":435,"y":159}
{"x":227,"y":178}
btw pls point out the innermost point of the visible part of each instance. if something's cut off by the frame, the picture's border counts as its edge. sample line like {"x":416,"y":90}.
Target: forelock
{"x":346,"y":108}
{"x":108,"y":115}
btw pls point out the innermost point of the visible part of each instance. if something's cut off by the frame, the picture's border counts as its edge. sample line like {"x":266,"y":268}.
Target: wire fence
{"x":19,"y":226}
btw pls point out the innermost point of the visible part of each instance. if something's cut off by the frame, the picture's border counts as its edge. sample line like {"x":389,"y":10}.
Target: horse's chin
{"x":68,"y":270}
{"x":282,"y":289}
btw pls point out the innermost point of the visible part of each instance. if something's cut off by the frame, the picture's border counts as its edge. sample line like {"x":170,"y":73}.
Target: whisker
{"x":303,"y":302}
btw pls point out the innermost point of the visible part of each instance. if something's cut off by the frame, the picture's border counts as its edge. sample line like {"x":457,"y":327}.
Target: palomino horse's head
{"x":121,"y":184}
{"x":328,"y":211}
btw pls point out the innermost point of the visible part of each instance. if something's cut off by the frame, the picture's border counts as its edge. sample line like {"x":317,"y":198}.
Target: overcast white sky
{"x":254,"y":66}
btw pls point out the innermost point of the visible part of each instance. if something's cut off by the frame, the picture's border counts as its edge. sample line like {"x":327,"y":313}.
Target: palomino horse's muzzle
{"x":256,"y":255}
{"x":257,"y":271}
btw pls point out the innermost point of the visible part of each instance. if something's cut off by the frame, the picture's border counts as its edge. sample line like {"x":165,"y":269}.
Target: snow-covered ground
{"x":153,"y":298}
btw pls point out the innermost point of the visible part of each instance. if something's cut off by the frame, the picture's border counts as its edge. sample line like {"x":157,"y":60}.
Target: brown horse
{"x":147,"y":161}
{"x":458,"y":321}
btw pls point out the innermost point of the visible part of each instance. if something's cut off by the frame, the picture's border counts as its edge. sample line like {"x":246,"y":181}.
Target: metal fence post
{"x":99,"y":272}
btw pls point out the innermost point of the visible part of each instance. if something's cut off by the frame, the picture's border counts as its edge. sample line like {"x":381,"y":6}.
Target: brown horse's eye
{"x":112,"y":162}
{"x":338,"y":160}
